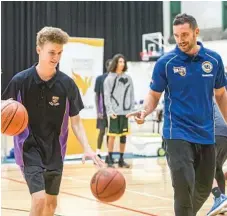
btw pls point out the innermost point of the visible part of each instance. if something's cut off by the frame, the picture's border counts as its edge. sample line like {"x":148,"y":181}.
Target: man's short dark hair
{"x":181,"y":19}
{"x":114,"y":62}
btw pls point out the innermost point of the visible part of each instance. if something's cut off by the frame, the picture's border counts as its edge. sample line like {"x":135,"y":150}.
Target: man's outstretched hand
{"x":139,"y":116}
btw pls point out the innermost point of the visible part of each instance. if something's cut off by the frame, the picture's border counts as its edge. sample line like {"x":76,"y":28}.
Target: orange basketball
{"x":14,"y":117}
{"x":108,"y":185}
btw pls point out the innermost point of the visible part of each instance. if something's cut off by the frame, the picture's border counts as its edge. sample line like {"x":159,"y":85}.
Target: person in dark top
{"x":218,"y":189}
{"x":102,"y":122}
{"x":50,"y":97}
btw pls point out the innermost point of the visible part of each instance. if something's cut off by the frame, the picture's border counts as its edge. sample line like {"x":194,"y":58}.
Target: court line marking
{"x":131,"y":191}
{"x":149,"y":195}
{"x":139,"y":193}
{"x":90,"y":199}
{"x":22,"y":210}
{"x":88,"y":182}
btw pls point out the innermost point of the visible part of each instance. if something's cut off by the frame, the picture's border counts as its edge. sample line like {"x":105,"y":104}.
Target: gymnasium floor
{"x":148,"y":192}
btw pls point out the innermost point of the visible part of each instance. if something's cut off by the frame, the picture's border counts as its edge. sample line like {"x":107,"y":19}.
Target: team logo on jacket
{"x":207,"y":66}
{"x":55,"y":101}
{"x":180,"y":70}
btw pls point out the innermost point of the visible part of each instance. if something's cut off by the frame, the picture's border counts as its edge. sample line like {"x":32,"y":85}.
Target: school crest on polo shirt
{"x":55,"y":101}
{"x":207,"y":66}
{"x":180,"y":70}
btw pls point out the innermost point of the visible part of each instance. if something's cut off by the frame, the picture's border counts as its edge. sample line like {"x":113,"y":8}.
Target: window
{"x":175,"y":8}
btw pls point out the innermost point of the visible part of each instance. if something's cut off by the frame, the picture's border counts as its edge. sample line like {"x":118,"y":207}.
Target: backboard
{"x":153,"y":46}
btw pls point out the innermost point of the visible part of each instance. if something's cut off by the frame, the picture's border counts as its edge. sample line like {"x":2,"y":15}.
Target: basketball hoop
{"x":156,"y":44}
{"x":145,"y":56}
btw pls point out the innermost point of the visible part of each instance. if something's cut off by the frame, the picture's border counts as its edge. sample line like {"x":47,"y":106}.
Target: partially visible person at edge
{"x":102,"y":122}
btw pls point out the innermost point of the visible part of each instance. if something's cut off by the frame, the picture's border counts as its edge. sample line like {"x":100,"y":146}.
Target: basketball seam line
{"x":21,"y":126}
{"x":11,"y":119}
{"x":96,"y":185}
{"x":124,"y":185}
{"x":106,"y":185}
{"x":6,"y":107}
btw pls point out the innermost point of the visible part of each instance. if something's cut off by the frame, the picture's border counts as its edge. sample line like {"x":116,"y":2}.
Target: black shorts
{"x":39,"y":179}
{"x":102,"y":124}
{"x":118,"y":126}
{"x":221,"y":150}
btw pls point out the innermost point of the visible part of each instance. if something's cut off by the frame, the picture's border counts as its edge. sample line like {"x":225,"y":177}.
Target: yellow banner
{"x":82,"y":60}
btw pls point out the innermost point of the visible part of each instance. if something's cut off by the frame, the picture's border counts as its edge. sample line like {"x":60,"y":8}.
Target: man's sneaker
{"x":219,"y":204}
{"x":123,"y":164}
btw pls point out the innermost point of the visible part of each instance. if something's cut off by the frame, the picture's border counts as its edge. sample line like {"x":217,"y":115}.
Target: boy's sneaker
{"x":110,"y":164}
{"x":219,"y":204}
{"x":107,"y":159}
{"x":123,"y":164}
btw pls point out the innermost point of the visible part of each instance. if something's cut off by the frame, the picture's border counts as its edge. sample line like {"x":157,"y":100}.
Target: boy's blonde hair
{"x":51,"y":34}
